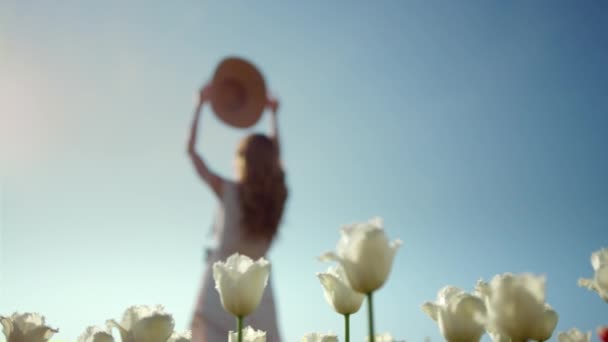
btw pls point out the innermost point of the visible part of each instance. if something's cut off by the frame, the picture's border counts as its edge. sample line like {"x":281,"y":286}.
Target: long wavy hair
{"x":262,"y":186}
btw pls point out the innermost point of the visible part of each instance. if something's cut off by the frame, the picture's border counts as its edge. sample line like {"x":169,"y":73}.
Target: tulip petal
{"x":601,"y":282}
{"x":574,"y":335}
{"x":249,"y":335}
{"x":95,"y":334}
{"x":458,"y":314}
{"x":29,"y":327}
{"x":482,"y":289}
{"x":253,"y":282}
{"x":431,"y":309}
{"x":447,"y":294}
{"x":376,"y":222}
{"x":103,"y":337}
{"x":587,"y":283}
{"x":186,"y":336}
{"x":599,"y":259}
{"x":7,"y":326}
{"x":329,"y":256}
{"x":384,"y":337}
{"x":317,"y":337}
{"x":395,"y":244}
{"x":547,"y":323}
{"x":338,"y":293}
{"x":27,"y":321}
{"x":156,"y":328}
{"x":40,"y":333}
{"x":125,"y":336}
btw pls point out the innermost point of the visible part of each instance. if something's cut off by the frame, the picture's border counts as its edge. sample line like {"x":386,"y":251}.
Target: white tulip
{"x":27,"y":327}
{"x":338,"y":292}
{"x":365,"y":254}
{"x":458,"y":314}
{"x":574,"y":335}
{"x":144,"y":324}
{"x":185,"y":336}
{"x":516,"y":307}
{"x":96,"y":334}
{"x":317,"y":337}
{"x":386,"y":337}
{"x":599,"y":283}
{"x":240,"y":283}
{"x":249,"y":335}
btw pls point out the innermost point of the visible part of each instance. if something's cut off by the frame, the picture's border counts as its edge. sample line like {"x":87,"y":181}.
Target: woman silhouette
{"x":250,"y":210}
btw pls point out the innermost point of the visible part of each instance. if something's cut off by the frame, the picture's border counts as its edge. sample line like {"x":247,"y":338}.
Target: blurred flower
{"x":365,"y":254}
{"x":516,"y":307}
{"x":498,"y":337}
{"x":316,"y":337}
{"x":599,"y":283}
{"x":240,"y":282}
{"x":338,"y":292}
{"x":458,"y":314}
{"x":602,"y":333}
{"x":386,"y":337}
{"x":574,"y":335}
{"x":249,"y":335}
{"x":96,"y":334}
{"x":27,"y":327}
{"x":144,"y":324}
{"x":185,"y":336}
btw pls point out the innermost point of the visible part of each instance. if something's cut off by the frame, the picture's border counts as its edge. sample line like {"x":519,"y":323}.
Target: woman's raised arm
{"x":213,"y":180}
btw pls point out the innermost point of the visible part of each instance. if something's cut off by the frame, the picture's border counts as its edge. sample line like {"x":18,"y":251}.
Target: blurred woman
{"x":249,"y":215}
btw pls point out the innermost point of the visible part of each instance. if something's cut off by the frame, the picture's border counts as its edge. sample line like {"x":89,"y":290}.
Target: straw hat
{"x":238,"y":93}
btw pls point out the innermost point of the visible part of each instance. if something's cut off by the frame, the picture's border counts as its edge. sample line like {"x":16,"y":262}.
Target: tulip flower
{"x":316,"y":337}
{"x":386,"y":337}
{"x":340,"y":295}
{"x":249,"y":335}
{"x":599,"y":283}
{"x":367,"y":256}
{"x":144,"y":324}
{"x":516,"y":307}
{"x":240,"y":282}
{"x":96,"y":334}
{"x":27,"y":327}
{"x":574,"y":335}
{"x":458,"y":314}
{"x":185,"y":336}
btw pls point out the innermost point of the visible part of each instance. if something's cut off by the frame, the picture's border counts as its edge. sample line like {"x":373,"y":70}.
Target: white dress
{"x":210,"y":322}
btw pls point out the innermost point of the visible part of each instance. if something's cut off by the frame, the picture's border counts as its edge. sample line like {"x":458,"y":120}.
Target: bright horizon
{"x":477,"y":131}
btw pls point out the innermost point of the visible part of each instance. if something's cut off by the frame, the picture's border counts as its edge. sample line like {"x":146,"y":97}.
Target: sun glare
{"x":22,"y":122}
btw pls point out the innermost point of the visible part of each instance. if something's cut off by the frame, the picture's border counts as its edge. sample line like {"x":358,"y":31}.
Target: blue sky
{"x":477,"y":131}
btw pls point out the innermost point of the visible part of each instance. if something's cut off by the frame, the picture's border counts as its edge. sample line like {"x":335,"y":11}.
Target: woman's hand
{"x":204,"y":94}
{"x":213,"y":180}
{"x":273,"y":104}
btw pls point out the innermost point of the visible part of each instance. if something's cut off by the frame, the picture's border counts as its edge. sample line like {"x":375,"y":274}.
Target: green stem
{"x":239,"y":326}
{"x":370,"y":317}
{"x":347,"y":327}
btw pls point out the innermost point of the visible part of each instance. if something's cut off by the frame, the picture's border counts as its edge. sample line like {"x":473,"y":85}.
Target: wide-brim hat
{"x":238,"y":93}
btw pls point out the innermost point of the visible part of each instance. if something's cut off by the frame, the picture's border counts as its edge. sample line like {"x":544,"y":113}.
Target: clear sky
{"x":476,"y":129}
